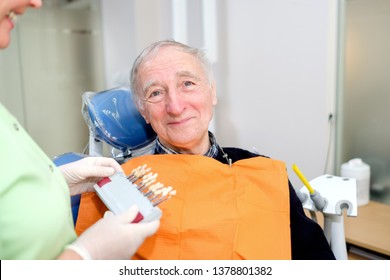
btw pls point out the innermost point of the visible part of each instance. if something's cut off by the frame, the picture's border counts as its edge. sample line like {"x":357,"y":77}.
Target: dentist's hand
{"x":82,"y":174}
{"x":113,"y":237}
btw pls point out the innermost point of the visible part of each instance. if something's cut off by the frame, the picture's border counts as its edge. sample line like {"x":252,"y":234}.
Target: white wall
{"x":128,"y":27}
{"x":118,"y":40}
{"x":280,"y":73}
{"x":55,"y":55}
{"x":276,"y":71}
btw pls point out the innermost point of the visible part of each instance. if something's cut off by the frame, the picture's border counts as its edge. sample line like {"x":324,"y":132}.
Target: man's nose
{"x":174,"y":102}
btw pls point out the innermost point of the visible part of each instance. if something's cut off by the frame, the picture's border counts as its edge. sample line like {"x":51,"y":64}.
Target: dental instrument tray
{"x":119,"y":192}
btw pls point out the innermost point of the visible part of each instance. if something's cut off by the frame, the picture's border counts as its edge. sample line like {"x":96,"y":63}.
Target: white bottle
{"x":356,"y":168}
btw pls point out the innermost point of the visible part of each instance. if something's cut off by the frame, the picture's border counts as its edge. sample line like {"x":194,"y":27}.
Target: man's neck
{"x":200,"y":149}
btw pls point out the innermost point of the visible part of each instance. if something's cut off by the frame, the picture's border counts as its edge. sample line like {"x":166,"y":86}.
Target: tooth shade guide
{"x":146,"y":184}
{"x":171,"y":193}
{"x":154,"y":188}
{"x":138,"y":173}
{"x":161,"y":193}
{"x":147,"y":181}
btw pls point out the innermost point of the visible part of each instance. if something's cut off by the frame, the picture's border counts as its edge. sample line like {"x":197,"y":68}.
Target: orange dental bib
{"x":218,"y":212}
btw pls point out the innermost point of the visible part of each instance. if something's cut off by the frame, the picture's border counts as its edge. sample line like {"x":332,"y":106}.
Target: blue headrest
{"x":113,"y":117}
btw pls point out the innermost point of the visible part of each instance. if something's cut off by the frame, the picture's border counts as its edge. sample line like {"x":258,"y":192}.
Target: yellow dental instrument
{"x":315,"y":196}
{"x":303,"y":178}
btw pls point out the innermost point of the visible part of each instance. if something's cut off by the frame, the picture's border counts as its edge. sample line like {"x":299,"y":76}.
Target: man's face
{"x":185,"y":100}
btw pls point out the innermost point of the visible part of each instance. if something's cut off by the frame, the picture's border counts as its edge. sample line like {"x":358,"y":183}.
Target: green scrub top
{"x":35,"y":212}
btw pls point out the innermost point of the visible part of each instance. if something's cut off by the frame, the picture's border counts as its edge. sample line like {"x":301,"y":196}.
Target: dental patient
{"x":229,"y":203}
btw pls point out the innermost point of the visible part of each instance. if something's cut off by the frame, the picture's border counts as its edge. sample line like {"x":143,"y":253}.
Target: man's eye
{"x":188,"y":83}
{"x":155,"y":93}
{"x":155,"y":96}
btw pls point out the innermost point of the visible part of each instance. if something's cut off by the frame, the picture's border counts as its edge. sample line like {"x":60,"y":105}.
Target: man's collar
{"x":212,"y":152}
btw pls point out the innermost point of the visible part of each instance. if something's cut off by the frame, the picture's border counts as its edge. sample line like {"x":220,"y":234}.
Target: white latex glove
{"x":82,"y":174}
{"x":114,"y":237}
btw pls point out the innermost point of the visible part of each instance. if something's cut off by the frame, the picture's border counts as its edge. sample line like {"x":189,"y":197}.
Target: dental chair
{"x":117,"y":130}
{"x":116,"y":125}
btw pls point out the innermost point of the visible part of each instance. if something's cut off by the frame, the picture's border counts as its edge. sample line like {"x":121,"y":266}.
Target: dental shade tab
{"x":140,"y":188}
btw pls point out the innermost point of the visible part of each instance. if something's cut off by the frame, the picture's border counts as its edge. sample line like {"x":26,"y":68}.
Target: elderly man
{"x":230,"y":203}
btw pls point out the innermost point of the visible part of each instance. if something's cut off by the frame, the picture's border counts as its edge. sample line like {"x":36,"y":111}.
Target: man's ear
{"x":146,"y":119}
{"x":142,"y":111}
